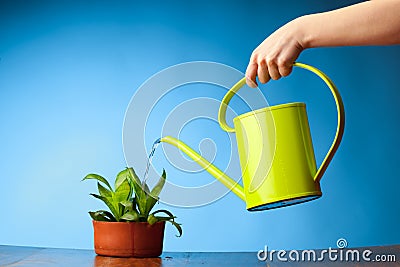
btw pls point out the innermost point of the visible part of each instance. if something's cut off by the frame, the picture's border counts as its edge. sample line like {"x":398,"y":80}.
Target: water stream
{"x":149,"y":159}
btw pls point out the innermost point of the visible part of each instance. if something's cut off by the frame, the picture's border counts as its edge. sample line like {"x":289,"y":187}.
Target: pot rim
{"x":103,"y":222}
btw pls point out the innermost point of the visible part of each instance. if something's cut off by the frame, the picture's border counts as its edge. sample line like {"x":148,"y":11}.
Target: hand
{"x":275,"y":56}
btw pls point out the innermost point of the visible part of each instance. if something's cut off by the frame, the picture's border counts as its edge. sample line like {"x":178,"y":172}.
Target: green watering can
{"x":275,"y":151}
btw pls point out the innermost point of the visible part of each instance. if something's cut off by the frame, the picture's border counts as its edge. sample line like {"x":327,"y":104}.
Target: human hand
{"x":275,"y":56}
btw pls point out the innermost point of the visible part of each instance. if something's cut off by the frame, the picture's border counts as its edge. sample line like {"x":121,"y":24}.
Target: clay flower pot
{"x":128,"y":239}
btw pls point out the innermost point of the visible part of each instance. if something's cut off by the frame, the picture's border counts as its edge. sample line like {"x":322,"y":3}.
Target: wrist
{"x":303,"y":31}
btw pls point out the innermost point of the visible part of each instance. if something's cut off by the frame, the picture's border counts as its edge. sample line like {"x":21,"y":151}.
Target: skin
{"x":368,"y":23}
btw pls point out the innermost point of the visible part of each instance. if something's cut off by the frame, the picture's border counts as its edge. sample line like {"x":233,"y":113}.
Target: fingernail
{"x":251,"y":83}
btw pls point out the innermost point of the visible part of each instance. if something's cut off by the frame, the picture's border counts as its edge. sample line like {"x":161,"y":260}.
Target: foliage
{"x":123,"y":206}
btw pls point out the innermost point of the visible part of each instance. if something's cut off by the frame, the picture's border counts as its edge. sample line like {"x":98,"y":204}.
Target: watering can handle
{"x":339,"y":105}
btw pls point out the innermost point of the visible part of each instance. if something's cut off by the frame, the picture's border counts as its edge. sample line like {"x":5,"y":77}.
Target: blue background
{"x":69,"y":68}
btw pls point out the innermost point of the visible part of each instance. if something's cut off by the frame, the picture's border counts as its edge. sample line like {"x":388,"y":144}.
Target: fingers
{"x":266,"y":71}
{"x":285,"y":69}
{"x":273,"y":70}
{"x":251,"y":74}
{"x":262,"y":72}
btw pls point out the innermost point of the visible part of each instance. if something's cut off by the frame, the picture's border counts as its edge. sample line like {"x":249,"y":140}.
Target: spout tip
{"x":158,"y":140}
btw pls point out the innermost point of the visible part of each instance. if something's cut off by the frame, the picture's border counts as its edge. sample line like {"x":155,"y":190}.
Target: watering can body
{"x":276,"y":156}
{"x":275,"y":151}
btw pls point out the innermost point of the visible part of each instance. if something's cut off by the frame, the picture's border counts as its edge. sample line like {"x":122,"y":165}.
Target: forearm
{"x":367,"y":23}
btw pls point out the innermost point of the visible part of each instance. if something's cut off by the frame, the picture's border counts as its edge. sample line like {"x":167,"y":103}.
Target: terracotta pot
{"x":128,"y":239}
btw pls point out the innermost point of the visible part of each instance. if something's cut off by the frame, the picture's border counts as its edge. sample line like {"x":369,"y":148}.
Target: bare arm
{"x":367,"y":23}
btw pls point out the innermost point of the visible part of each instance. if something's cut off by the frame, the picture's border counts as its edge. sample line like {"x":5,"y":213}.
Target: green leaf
{"x":123,"y":192}
{"x":164,"y":211}
{"x":102,"y":215}
{"x":133,"y":200}
{"x":131,"y":216}
{"x":109,"y":197}
{"x":165,"y":218}
{"x":104,"y":192}
{"x":142,"y":206}
{"x":171,"y":220}
{"x":121,"y":177}
{"x":133,"y":176}
{"x":150,"y":203}
{"x":108,"y":215}
{"x":178,"y":227}
{"x":110,"y":205}
{"x":146,"y":188}
{"x":155,"y":192}
{"x":141,"y":196}
{"x":152,"y":219}
{"x":98,"y":178}
{"x":97,"y":217}
{"x":134,"y":179}
{"x":152,"y":198}
{"x":128,"y":205}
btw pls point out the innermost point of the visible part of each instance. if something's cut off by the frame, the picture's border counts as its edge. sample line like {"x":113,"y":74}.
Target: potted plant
{"x":129,"y":228}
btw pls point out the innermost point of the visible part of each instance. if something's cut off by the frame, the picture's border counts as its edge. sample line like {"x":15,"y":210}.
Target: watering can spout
{"x":208,"y":166}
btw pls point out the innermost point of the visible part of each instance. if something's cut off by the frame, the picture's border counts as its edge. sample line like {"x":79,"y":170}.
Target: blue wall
{"x":69,"y":68}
